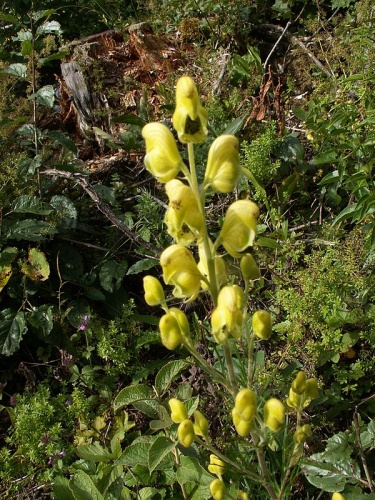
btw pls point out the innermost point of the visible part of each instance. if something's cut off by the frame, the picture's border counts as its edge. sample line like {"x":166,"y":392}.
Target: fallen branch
{"x":81,"y":180}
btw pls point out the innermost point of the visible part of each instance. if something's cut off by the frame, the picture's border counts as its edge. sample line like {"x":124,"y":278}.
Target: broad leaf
{"x":41,"y":318}
{"x":167,"y":375}
{"x":30,"y":204}
{"x":94,"y":452}
{"x":63,"y":140}
{"x":83,"y":487}
{"x":142,"y":265}
{"x":158,"y":450}
{"x":49,"y":27}
{"x":12,"y":329}
{"x":111,"y":274}
{"x":38,"y":267}
{"x":131,"y":394}
{"x":31,"y":230}
{"x":16,"y":69}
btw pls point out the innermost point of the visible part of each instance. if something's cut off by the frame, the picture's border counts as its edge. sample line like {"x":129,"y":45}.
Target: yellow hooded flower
{"x":244,"y":411}
{"x":185,"y":433}
{"x":223,"y":164}
{"x":183,"y":218}
{"x":217,"y":466}
{"x":180,"y":270}
{"x":227,"y":317}
{"x":178,"y":410}
{"x":239,"y":227}
{"x":299,"y":383}
{"x":189,"y":118}
{"x":154,"y":293}
{"x":249,"y":268}
{"x":174,"y":329}
{"x":274,"y":414}
{"x":162,"y":158}
{"x":217,"y":489}
{"x":302,"y":434}
{"x":200,"y":424}
{"x":262,"y":324}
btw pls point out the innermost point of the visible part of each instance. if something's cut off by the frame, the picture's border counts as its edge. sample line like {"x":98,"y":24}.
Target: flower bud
{"x":239,"y":227}
{"x":178,"y":410}
{"x":180,"y":270}
{"x":217,"y":489}
{"x":274,"y":414}
{"x":162,"y":158}
{"x":154,"y":293}
{"x":262,"y":324}
{"x":299,"y":383}
{"x":249,"y":268}
{"x":174,"y":328}
{"x":185,"y":433}
{"x":227,"y":317}
{"x":189,"y":118}
{"x":200,"y":424}
{"x":216,"y":466}
{"x":223,"y":164}
{"x":183,"y":218}
{"x":312,"y":389}
{"x":337,"y":496}
{"x":302,"y":434}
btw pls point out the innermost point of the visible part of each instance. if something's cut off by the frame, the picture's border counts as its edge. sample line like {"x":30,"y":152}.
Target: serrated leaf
{"x":65,"y":210}
{"x":30,"y":204}
{"x":149,"y":407}
{"x":61,"y":489}
{"x":53,"y":57}
{"x":130,"y":119}
{"x":167,"y":374}
{"x":83,"y":487}
{"x":31,"y":230}
{"x":148,"y":493}
{"x":16,"y":69}
{"x":190,"y":470}
{"x":38,"y":268}
{"x":111,"y":274}
{"x":94,"y":452}
{"x":49,"y":27}
{"x":142,"y":265}
{"x":45,"y":96}
{"x":158,"y":450}
{"x":12,"y":329}
{"x":42,"y":318}
{"x":63,"y":140}
{"x":135,"y":454}
{"x":131,"y":394}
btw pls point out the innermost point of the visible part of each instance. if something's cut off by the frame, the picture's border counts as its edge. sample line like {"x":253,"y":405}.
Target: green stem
{"x":214,"y":289}
{"x":263,"y":467}
{"x":216,"y":376}
{"x":230,"y":367}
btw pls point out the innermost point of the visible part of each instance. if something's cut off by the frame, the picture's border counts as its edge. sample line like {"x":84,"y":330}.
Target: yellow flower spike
{"x":185,"y":433}
{"x":200,"y":424}
{"x":217,"y":489}
{"x":302,"y":434}
{"x":178,"y":410}
{"x":190,"y":117}
{"x":262,"y":324}
{"x":299,"y":383}
{"x":223,"y":164}
{"x":239,"y":227}
{"x":174,"y":329}
{"x":220,"y":267}
{"x":243,"y":427}
{"x":180,"y":270}
{"x":293,"y":400}
{"x":183,"y":218}
{"x":337,"y":496}
{"x":274,"y":414}
{"x":154,"y":293}
{"x":216,"y":466}
{"x":249,"y":268}
{"x":312,"y":389}
{"x":162,"y":158}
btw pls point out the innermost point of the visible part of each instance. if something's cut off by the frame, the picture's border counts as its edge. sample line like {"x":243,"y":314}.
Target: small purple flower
{"x":84,"y":322}
{"x":62,"y":453}
{"x":67,"y":402}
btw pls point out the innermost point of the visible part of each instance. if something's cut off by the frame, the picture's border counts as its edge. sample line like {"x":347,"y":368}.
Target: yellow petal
{"x":274,"y":414}
{"x":239,"y":227}
{"x":154,"y":293}
{"x":223,"y":164}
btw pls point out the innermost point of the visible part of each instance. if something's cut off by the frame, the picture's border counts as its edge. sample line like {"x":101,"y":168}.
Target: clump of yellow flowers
{"x":191,"y":271}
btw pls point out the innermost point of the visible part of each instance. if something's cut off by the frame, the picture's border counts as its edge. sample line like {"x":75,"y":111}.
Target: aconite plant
{"x":196,"y":264}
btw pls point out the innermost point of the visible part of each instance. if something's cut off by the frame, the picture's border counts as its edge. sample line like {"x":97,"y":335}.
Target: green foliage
{"x":329,"y":312}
